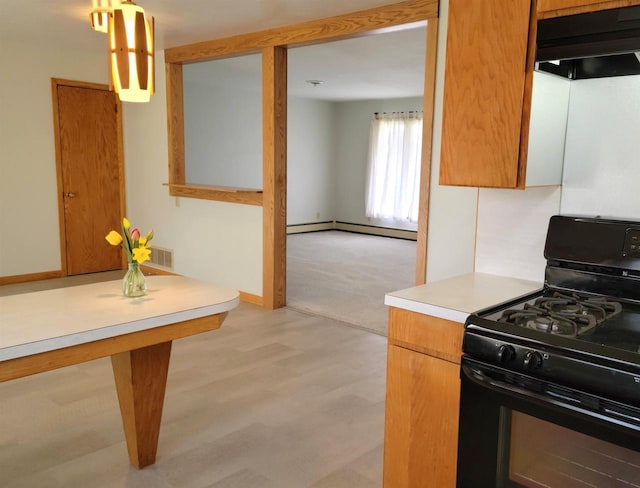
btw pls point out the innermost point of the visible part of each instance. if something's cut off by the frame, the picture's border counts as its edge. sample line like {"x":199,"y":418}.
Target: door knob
{"x":70,"y":194}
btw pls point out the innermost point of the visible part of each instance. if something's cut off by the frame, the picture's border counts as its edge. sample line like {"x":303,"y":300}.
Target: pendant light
{"x":100,"y":20}
{"x":131,"y":53}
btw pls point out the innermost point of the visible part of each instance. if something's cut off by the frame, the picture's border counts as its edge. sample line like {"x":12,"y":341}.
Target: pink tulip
{"x":135,"y":234}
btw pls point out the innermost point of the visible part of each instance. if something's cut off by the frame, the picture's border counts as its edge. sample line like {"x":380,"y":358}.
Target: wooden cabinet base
{"x":421,"y":426}
{"x":423,"y":396}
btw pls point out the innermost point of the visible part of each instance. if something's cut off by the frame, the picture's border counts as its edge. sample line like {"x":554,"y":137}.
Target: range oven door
{"x":516,"y":432}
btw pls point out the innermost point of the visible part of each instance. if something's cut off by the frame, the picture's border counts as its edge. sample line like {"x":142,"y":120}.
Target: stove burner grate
{"x":562,"y":314}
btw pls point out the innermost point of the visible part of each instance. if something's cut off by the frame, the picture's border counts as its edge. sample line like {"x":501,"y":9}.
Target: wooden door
{"x":91,"y":176}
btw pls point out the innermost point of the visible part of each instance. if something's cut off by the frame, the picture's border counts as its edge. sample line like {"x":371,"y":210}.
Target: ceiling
{"x":378,"y":66}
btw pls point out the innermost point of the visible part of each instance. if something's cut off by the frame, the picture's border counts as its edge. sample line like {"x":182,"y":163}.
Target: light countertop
{"x":456,"y":298}
{"x":41,"y":321}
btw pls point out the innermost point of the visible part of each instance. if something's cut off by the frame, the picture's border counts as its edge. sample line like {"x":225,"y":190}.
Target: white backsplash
{"x":512,"y":228}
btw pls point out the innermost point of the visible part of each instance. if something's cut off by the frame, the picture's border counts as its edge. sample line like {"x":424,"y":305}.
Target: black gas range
{"x":564,"y":360}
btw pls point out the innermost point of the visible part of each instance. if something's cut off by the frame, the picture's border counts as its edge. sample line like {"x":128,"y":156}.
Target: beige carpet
{"x":344,"y":276}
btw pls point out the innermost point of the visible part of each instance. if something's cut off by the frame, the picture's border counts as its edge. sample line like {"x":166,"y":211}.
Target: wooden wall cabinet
{"x":422,"y":405}
{"x":487,"y":90}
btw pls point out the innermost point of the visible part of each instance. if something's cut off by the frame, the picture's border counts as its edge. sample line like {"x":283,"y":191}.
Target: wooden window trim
{"x":244,"y":196}
{"x":274,"y":42}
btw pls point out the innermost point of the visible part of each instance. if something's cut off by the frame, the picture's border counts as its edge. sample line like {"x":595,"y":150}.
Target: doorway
{"x":334,"y":91}
{"x":90,"y":172}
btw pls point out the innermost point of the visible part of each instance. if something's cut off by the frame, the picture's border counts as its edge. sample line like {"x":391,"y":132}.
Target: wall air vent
{"x":162,"y":258}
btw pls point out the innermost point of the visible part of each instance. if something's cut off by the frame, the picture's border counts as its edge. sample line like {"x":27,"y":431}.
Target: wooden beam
{"x":427,"y":145}
{"x":274,"y":176}
{"x":175,"y":123}
{"x":333,"y":28}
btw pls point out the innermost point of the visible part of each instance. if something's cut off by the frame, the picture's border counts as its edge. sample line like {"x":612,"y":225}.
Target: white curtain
{"x":393,"y":168}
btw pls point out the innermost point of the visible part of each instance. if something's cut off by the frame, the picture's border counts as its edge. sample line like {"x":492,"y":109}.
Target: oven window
{"x":543,"y":454}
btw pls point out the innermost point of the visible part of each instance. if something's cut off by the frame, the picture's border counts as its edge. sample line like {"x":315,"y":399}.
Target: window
{"x":393,"y":169}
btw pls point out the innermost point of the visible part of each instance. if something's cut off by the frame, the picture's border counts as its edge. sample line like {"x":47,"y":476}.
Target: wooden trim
{"x":527,"y":95}
{"x":249,"y":298}
{"x":60,"y":185}
{"x":59,"y":358}
{"x":24,"y":278}
{"x":222,"y":194}
{"x":427,"y":145}
{"x":558,"y":8}
{"x":272,"y":44}
{"x":152,"y":270}
{"x":55,"y":82}
{"x":175,"y":123}
{"x":274,"y":176}
{"x":332,"y":28}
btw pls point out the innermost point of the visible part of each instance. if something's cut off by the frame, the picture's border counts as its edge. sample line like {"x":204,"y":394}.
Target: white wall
{"x":353,"y":122}
{"x":310,"y":161}
{"x":214,"y":241}
{"x":223,"y":122}
{"x":30,"y":241}
{"x":602,"y":158}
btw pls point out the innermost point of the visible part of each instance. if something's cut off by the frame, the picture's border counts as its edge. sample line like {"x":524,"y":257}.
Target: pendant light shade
{"x":100,"y":20}
{"x":132,"y":53}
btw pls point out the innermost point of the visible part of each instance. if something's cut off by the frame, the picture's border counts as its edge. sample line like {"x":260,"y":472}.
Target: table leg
{"x":141,"y":379}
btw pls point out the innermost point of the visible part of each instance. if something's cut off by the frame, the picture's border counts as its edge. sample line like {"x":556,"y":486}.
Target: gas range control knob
{"x":506,"y":353}
{"x":532,"y":360}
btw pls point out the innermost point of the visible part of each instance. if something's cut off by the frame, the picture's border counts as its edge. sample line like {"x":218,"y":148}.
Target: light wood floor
{"x":272,"y":399}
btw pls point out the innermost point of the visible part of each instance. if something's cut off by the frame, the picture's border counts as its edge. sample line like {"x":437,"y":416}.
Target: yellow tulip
{"x":141,"y":254}
{"x":126,"y":223}
{"x":113,"y":238}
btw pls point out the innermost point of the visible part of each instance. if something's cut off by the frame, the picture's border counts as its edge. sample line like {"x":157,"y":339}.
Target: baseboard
{"x":24,"y":278}
{"x":315,"y":227}
{"x":377,"y":231}
{"x":357,"y":228}
{"x":249,"y":298}
{"x":152,"y":270}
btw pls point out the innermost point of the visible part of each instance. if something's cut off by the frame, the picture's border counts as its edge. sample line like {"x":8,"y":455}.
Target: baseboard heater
{"x":357,"y":228}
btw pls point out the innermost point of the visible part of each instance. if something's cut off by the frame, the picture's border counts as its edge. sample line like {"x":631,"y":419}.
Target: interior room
{"x":340,"y":259}
{"x":210,"y":192}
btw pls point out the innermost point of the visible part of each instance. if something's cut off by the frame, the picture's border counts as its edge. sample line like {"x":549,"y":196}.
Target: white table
{"x":45,"y":330}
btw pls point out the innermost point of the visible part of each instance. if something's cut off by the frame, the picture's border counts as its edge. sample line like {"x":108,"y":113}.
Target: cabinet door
{"x":421,"y":420}
{"x":484,"y":92}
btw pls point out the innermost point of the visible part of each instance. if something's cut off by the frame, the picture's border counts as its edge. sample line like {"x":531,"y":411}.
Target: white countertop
{"x":456,"y":298}
{"x":41,"y":321}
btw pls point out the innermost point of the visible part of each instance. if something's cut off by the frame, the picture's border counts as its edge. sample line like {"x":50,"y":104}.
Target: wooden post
{"x":274,"y":176}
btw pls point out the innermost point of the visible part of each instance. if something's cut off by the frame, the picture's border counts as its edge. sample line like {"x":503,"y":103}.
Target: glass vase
{"x":133,"y":283}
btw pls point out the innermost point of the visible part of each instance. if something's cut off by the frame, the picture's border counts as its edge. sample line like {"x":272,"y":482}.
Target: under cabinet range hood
{"x":591,"y":45}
